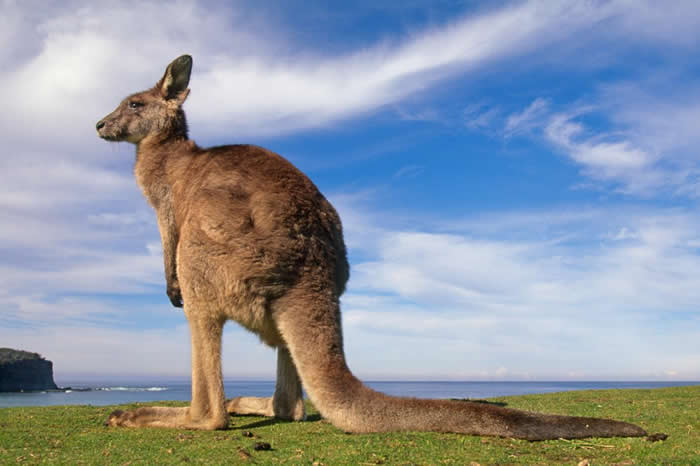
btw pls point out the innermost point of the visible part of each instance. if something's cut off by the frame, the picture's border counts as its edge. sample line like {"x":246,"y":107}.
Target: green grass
{"x":75,"y":435}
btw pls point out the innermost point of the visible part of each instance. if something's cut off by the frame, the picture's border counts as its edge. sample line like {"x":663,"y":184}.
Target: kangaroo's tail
{"x":313,"y":335}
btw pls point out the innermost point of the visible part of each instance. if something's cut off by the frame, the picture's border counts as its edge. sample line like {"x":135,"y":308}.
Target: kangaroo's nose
{"x":100,"y":124}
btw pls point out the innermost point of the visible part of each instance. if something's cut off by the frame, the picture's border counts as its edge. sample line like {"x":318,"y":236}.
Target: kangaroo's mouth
{"x":109,"y":137}
{"x":103,"y":131}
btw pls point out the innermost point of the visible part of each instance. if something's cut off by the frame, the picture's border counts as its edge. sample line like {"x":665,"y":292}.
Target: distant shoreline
{"x":102,"y":392}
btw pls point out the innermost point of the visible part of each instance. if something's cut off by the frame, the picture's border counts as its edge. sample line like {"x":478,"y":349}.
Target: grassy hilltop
{"x":9,"y":355}
{"x":75,"y":435}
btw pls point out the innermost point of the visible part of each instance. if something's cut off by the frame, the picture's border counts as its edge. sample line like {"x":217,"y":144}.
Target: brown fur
{"x":248,"y":237}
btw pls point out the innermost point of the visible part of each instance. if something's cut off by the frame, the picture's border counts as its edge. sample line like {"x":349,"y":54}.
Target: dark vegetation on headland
{"x":24,"y":371}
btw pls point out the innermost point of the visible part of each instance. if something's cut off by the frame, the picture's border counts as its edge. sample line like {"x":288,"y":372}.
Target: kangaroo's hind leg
{"x":206,"y":411}
{"x":287,"y":402}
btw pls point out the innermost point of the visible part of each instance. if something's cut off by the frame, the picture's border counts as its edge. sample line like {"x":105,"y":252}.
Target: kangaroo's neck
{"x":160,"y":164}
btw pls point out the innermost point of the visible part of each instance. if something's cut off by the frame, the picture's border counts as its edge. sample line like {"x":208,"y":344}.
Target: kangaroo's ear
{"x":176,"y":78}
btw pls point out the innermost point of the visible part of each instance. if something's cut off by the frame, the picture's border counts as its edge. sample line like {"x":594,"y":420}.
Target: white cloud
{"x":79,"y":351}
{"x":479,"y":115}
{"x":624,"y":234}
{"x":408,"y":171}
{"x":85,"y":271}
{"x":615,"y":160}
{"x":84,"y":57}
{"x":662,"y":116}
{"x":78,"y":61}
{"x":90,"y":56}
{"x":28,"y":185}
{"x":426,"y":115}
{"x":528,"y":118}
{"x":675,"y":24}
{"x":312,"y":91}
{"x":649,"y":148}
{"x":534,"y":301}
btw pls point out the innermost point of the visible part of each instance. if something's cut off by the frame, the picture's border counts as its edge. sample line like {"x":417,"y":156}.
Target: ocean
{"x":105,"y":392}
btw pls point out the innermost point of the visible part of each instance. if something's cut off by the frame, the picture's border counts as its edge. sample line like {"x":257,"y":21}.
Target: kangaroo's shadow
{"x":484,"y":402}
{"x":271,"y":422}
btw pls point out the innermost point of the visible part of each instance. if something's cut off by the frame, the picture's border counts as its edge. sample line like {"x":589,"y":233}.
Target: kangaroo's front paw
{"x":174,"y":293}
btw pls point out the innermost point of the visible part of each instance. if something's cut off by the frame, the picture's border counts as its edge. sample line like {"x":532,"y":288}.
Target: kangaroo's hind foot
{"x":287,"y":403}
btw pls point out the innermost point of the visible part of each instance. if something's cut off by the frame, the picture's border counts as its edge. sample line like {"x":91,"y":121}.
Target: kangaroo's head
{"x":155,"y":113}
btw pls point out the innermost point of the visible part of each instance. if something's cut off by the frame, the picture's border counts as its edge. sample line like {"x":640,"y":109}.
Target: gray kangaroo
{"x":248,"y":237}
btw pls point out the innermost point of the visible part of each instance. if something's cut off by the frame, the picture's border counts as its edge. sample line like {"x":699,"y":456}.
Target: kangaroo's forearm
{"x":169,"y":239}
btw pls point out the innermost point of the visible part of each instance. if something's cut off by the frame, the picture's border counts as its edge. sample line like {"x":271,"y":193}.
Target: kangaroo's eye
{"x":135,"y":104}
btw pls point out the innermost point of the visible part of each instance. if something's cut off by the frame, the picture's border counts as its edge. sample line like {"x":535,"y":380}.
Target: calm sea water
{"x":100,"y":393}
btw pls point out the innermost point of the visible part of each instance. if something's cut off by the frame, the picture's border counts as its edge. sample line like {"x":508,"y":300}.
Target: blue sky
{"x":519,"y":182}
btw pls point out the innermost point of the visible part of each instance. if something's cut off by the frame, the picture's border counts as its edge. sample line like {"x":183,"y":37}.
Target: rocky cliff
{"x":21,"y":370}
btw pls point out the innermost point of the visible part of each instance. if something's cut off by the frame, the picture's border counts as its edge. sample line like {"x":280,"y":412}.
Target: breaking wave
{"x":132,"y":389}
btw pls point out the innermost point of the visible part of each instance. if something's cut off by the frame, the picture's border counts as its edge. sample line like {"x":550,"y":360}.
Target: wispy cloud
{"x":312,"y":91}
{"x":79,"y":351}
{"x":408,"y":171}
{"x":541,"y":294}
{"x":95,"y":55}
{"x":648,"y":149}
{"x":605,"y":156}
{"x":527,"y":119}
{"x":78,"y":65}
{"x":480,"y":116}
{"x":27,"y":186}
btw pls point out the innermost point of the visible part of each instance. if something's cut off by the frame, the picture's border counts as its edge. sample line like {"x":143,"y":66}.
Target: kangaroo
{"x":248,"y":237}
